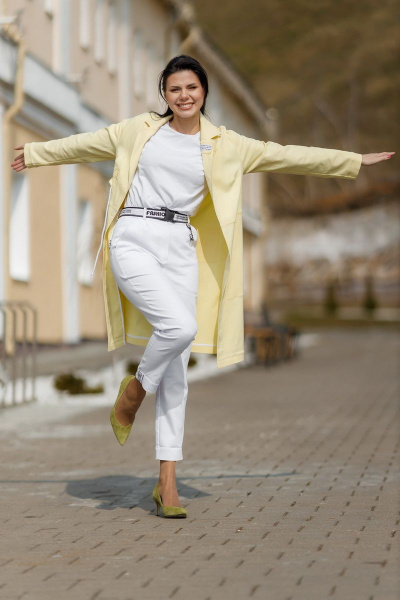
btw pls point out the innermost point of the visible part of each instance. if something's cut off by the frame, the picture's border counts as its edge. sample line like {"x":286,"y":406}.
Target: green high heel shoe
{"x":121,"y":431}
{"x":168,"y":511}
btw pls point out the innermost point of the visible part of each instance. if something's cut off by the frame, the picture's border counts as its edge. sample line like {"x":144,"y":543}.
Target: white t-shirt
{"x":170,"y":173}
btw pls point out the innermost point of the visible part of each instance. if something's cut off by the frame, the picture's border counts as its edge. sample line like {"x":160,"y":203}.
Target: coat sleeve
{"x":82,"y":147}
{"x":258,"y":156}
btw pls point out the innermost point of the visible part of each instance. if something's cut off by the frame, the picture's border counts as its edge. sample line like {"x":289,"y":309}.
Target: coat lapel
{"x":209,"y":133}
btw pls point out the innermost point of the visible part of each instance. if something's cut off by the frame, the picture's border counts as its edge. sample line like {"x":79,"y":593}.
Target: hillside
{"x":332,"y":71}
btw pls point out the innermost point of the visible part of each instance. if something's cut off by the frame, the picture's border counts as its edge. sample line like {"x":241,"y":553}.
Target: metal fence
{"x":18,"y":343}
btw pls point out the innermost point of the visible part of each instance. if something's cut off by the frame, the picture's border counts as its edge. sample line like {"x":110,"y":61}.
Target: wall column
{"x":68,"y":228}
{"x":124,"y":71}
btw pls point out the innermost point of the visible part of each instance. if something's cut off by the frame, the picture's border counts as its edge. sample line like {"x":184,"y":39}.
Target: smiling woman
{"x":173,"y":243}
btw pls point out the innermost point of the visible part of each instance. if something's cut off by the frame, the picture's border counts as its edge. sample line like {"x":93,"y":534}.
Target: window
{"x":112,"y":38}
{"x":19,"y":242}
{"x":84,"y":241}
{"x":84,"y":23}
{"x":138,"y":64}
{"x":99,"y":31}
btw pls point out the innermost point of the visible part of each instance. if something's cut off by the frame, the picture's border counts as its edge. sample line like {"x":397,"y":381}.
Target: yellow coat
{"x":227,"y":156}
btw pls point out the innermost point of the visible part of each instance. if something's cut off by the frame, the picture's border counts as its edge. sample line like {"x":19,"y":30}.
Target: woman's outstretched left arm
{"x":259,"y":156}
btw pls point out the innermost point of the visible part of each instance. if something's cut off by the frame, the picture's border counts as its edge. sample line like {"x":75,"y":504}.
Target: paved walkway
{"x":290,"y":477}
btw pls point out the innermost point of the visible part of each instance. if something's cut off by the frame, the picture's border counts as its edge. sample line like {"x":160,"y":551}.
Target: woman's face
{"x":184,"y":94}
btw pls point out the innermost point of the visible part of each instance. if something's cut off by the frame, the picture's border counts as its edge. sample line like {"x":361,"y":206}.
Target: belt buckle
{"x":169,"y":214}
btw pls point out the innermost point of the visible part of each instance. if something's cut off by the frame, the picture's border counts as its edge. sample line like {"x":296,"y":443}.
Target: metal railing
{"x":18,"y":344}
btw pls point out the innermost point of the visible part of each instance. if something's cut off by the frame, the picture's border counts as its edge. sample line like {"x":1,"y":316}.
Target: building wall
{"x":92,"y":59}
{"x":37,"y":28}
{"x":42,"y":290}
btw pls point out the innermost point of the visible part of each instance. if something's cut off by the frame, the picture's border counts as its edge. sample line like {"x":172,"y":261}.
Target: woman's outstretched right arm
{"x":79,"y":148}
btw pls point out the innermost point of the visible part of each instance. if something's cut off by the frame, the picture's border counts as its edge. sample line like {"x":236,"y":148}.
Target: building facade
{"x":71,"y":66}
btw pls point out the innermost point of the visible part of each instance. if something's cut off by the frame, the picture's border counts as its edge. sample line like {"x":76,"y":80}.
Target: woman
{"x":172,"y":245}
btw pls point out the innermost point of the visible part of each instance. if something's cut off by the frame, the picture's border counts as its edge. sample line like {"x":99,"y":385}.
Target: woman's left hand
{"x":371,"y":159}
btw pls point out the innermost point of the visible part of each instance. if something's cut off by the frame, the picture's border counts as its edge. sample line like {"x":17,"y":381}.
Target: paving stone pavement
{"x":290,"y":478}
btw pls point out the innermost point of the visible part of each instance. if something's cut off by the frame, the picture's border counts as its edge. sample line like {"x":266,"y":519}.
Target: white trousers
{"x":154,"y":264}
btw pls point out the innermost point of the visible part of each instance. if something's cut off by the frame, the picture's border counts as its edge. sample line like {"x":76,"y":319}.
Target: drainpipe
{"x":10,"y":30}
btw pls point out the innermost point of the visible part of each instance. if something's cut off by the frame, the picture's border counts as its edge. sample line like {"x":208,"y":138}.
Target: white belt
{"x":163,"y":213}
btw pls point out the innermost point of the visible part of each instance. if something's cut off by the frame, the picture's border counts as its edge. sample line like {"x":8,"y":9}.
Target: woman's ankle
{"x":167,"y":473}
{"x":135,"y":393}
{"x":167,"y":481}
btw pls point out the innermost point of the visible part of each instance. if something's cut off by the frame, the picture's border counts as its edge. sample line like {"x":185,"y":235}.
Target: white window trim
{"x":139,"y":68}
{"x":84,"y":24}
{"x":150,"y":73}
{"x":174,"y":44}
{"x":112,"y":22}
{"x":99,"y":22}
{"x":48,"y":7}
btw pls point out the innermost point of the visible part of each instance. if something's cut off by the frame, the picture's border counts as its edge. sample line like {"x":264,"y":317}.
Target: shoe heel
{"x":168,"y":511}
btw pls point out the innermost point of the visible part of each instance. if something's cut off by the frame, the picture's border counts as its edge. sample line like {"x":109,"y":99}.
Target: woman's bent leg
{"x":145,"y":284}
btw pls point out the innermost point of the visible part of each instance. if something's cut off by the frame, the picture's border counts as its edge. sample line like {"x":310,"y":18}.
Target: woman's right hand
{"x":19,"y":161}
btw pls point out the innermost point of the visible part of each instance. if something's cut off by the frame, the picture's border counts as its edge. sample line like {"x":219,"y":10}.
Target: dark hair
{"x":183,"y":62}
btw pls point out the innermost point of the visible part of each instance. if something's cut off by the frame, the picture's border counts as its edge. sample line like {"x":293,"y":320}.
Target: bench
{"x":272,"y":343}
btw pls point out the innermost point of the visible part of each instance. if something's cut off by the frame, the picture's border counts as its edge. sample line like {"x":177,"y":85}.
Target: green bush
{"x":331,"y":304}
{"x":131,"y":367}
{"x":67,"y":382}
{"x":370,"y":302}
{"x":192,"y":361}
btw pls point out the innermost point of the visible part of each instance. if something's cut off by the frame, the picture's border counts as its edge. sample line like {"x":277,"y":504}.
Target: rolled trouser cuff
{"x":147,"y":384}
{"x":163,"y":453}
